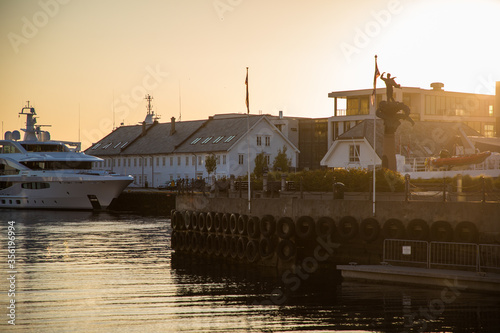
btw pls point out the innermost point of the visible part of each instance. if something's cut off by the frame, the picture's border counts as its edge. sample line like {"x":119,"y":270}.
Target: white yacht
{"x":39,"y":173}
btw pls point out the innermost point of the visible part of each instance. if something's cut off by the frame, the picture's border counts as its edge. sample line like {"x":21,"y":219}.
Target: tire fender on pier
{"x":187,"y":220}
{"x":174,"y":241}
{"x":218,"y":222}
{"x":209,"y":222}
{"x":252,"y":251}
{"x":267,"y":246}
{"x":202,"y":222}
{"x":305,"y":227}
{"x":466,"y":232}
{"x":267,"y":225}
{"x":253,"y":227}
{"x":233,"y":223}
{"x":394,"y":228}
{"x":369,"y":229}
{"x":225,"y":223}
{"x":286,"y":250}
{"x":211,"y":244}
{"x":285,"y":228}
{"x":242,"y":224}
{"x":325,"y":226}
{"x":233,"y":246}
{"x":225,"y":246}
{"x":241,"y":247}
{"x":418,"y":229}
{"x":348,"y":227}
{"x":194,"y":220}
{"x":441,"y":231}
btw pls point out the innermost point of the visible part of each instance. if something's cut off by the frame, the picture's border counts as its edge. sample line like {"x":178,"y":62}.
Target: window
{"x":123,"y":146}
{"x":193,"y":160}
{"x":171,"y":160}
{"x":353,"y":153}
{"x":490,"y":110}
{"x":35,"y":185}
{"x":119,"y":161}
{"x":96,"y":146}
{"x":268,"y":141}
{"x":223,"y":159}
{"x":230,"y":138}
{"x":240,"y":159}
{"x":218,"y":139}
{"x":157,"y":161}
{"x":206,"y":140}
{"x":106,"y":146}
{"x":489,"y":130}
{"x":195,"y":141}
{"x":135,"y":161}
{"x":117,"y":145}
{"x":140,"y":161}
{"x":259,"y":141}
{"x":268,"y":158}
{"x":218,"y":159}
{"x":178,"y":160}
{"x":187,"y":160}
{"x":128,"y":162}
{"x":164,"y":160}
{"x":352,"y":106}
{"x":199,"y":160}
{"x":365,"y":106}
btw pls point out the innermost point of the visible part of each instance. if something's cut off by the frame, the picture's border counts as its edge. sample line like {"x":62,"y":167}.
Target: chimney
{"x":143,"y":128}
{"x":281,"y":114}
{"x":437,"y":86}
{"x":496,"y":109}
{"x":172,"y":125}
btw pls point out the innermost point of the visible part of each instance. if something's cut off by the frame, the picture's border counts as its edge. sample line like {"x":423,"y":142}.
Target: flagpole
{"x":374,"y":98}
{"x":248,"y":144}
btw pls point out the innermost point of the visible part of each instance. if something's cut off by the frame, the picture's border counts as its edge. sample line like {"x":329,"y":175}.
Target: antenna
{"x":112,"y":111}
{"x":79,"y":121}
{"x":149,"y":106}
{"x":180,"y":104}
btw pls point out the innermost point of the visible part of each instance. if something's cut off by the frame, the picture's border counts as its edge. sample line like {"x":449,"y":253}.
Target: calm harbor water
{"x":85,"y":272}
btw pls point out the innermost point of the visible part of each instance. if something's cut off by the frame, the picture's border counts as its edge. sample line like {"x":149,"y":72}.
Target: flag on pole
{"x":247,"y":101}
{"x":375,"y":77}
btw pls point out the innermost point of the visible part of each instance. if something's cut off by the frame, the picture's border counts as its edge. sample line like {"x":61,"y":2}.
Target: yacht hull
{"x":79,"y":193}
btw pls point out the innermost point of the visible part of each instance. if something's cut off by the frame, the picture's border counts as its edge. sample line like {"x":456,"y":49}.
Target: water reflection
{"x":85,"y":272}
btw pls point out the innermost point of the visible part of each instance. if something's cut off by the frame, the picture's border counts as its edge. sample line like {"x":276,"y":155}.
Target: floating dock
{"x":461,"y":280}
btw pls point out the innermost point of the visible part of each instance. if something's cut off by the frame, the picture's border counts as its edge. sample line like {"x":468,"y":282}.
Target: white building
{"x":158,"y":153}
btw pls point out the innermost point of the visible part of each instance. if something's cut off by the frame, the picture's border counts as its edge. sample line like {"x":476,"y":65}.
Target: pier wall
{"x":486,"y":216}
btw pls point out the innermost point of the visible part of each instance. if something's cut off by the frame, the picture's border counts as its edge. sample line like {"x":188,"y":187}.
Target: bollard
{"x":459,"y":188}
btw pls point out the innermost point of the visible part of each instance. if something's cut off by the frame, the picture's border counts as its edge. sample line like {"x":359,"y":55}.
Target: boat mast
{"x":30,"y":130}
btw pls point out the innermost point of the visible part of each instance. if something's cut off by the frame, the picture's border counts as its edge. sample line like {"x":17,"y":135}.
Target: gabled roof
{"x":116,"y":141}
{"x":365,"y":130}
{"x":221,"y":134}
{"x":217,"y":134}
{"x":212,"y":135}
{"x":159,"y":140}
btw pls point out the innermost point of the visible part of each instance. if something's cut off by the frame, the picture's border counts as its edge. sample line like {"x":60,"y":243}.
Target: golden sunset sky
{"x":84,"y":64}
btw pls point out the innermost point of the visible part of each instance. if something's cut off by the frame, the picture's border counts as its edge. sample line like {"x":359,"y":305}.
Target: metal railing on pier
{"x":479,"y":257}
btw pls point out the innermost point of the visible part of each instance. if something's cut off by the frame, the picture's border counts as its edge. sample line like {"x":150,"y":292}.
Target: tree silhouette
{"x":211,"y":163}
{"x":281,"y":161}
